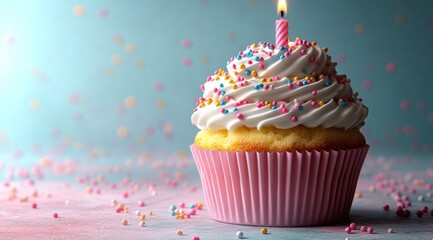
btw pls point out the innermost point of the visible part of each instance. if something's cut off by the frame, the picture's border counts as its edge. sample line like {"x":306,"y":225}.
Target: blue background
{"x":67,"y":68}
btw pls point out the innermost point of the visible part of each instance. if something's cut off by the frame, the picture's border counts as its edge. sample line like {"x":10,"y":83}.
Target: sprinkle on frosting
{"x":279,"y":87}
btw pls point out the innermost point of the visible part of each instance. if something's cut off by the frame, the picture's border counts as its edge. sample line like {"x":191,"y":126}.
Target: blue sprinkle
{"x":192,"y":205}
{"x":249,"y":54}
{"x":301,"y":108}
{"x":257,"y":59}
{"x":274,"y":107}
{"x":261,"y":85}
{"x":289,"y":81}
{"x":235,"y":109}
{"x":281,"y":57}
{"x":327,"y":84}
{"x":256,"y":87}
{"x":223,"y":93}
{"x":247,"y":72}
{"x":239,"y":57}
{"x":343,"y":104}
{"x":304,"y":82}
{"x":226,"y":111}
{"x":221,"y":85}
{"x":304,"y":71}
{"x":172,"y":213}
{"x":282,"y":48}
{"x":222,"y":103}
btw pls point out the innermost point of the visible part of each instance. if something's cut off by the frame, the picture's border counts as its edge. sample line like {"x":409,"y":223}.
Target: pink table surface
{"x":82,"y":197}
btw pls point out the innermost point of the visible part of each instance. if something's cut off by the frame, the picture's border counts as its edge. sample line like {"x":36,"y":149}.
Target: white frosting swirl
{"x":282,"y":88}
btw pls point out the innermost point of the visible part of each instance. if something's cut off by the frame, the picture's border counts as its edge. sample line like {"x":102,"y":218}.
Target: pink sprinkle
{"x":140,"y":203}
{"x":386,"y":207}
{"x":303,"y":52}
{"x":195,"y":238}
{"x":290,"y":86}
{"x":182,"y":205}
{"x":348,"y":230}
{"x":234,"y":66}
{"x":352,"y":226}
{"x":240,"y":116}
{"x":125,"y":195}
{"x":294,"y":119}
{"x":313,"y":104}
{"x":363,"y":229}
{"x":419,"y":213}
{"x":403,"y":187}
{"x":424,"y":209}
{"x":34,"y":205}
{"x":390,"y":67}
{"x":408,"y":204}
{"x":370,"y":230}
{"x":55,"y":215}
{"x":284,"y":110}
{"x":404,"y":105}
{"x":314,"y":92}
{"x":193,"y":211}
{"x":250,"y":62}
{"x":428,"y":186}
{"x":412,"y":190}
{"x":159,"y":86}
{"x":266,"y":87}
{"x":299,"y":84}
{"x":312,"y":59}
{"x":261,"y":66}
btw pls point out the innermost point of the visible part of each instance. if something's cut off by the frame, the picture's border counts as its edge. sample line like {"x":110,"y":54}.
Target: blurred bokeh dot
{"x":205,"y":59}
{"x":168,"y":128}
{"x":108,"y":72}
{"x":118,"y":39}
{"x":116,"y":59}
{"x":78,"y":10}
{"x":122,"y":132}
{"x":367,"y":85}
{"x":341,"y":58}
{"x":232,"y":36}
{"x":129,"y":48}
{"x":400,"y":18}
{"x":9,"y":41}
{"x":160,"y":104}
{"x":3,"y":136}
{"x":139,"y":64}
{"x":430,"y":117}
{"x":187,"y":61}
{"x":74,"y":98}
{"x":140,"y":140}
{"x":404,"y":105}
{"x":103,"y":13}
{"x":159,"y":86}
{"x":130,"y":102}
{"x":390,"y":67}
{"x":187,"y":43}
{"x":35,"y":104}
{"x":359,"y":29}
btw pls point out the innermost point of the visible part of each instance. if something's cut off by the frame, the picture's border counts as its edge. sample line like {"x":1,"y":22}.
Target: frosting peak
{"x":283,"y":88}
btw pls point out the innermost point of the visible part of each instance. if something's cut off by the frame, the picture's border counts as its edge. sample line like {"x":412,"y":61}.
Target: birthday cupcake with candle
{"x":279,"y":141}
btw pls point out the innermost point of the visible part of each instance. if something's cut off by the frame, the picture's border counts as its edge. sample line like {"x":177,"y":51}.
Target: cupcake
{"x":279,"y":141}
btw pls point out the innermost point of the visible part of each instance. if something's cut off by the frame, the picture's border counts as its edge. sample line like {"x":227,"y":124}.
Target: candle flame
{"x":282,"y":6}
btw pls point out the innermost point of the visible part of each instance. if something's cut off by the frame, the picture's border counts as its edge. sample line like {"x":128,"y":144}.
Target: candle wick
{"x":282,"y":14}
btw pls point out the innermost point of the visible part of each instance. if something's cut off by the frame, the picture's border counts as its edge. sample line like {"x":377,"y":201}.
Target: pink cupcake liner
{"x":279,"y":188}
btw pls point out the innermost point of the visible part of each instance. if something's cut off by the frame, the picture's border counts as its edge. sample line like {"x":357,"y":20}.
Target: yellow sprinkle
{"x":226,"y":78}
{"x":235,"y":86}
{"x":313,"y":43}
{"x":231,"y":81}
{"x":264,"y":230}
{"x":325,"y":49}
{"x":150,"y":213}
{"x":266,"y":102}
{"x":263,"y":80}
{"x":209,"y":101}
{"x":217,"y":78}
{"x":235,"y":73}
{"x":321,"y":103}
{"x":253,"y":73}
{"x":269,"y":105}
{"x":295,"y":79}
{"x":217,"y":103}
{"x":202,"y":104}
{"x":242,"y":66}
{"x":307,"y":78}
{"x":142,"y":217}
{"x":254,"y":45}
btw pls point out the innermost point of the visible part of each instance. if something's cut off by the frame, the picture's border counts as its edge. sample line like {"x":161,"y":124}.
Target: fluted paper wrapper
{"x":279,"y":188}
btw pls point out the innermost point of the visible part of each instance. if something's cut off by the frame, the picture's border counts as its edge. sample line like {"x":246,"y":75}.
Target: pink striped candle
{"x":281,"y":26}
